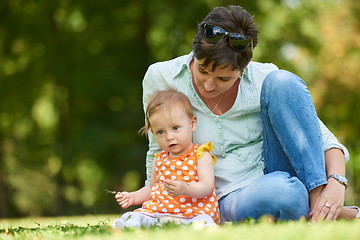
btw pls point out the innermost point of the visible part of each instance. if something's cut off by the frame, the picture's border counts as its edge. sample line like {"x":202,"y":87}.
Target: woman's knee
{"x":276,"y":194}
{"x":279,"y":83}
{"x":286,"y":197}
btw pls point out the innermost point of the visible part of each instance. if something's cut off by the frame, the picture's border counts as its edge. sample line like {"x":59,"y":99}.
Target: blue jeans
{"x":293,"y":155}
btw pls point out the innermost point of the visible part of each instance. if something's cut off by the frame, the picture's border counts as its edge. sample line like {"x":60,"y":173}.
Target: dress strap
{"x":206,"y":147}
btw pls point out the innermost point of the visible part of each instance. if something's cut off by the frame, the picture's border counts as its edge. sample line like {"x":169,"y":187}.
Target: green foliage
{"x":72,"y":106}
{"x":66,"y":229}
{"x":58,"y":231}
{"x":70,"y":85}
{"x":77,"y":228}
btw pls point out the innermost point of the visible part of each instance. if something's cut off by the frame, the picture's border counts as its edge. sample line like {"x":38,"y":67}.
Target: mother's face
{"x":211,"y":84}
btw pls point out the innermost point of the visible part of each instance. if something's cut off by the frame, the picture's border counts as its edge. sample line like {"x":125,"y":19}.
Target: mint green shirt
{"x":236,"y":135}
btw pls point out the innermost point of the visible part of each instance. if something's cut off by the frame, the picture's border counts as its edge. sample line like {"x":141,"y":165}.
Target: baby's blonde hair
{"x":163,"y":101}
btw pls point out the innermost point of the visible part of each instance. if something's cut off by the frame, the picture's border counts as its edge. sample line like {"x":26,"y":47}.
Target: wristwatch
{"x":340,"y":178}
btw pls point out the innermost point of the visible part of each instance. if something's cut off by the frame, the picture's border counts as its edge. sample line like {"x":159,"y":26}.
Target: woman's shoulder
{"x":161,"y":75}
{"x":169,"y":66}
{"x":257,"y":71}
{"x":165,"y":71}
{"x":258,"y":67}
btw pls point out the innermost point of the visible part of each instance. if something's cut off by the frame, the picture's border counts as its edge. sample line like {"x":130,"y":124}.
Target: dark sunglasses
{"x":237,"y":41}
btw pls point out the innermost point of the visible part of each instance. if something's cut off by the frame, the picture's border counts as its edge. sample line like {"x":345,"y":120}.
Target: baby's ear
{"x":194,"y":123}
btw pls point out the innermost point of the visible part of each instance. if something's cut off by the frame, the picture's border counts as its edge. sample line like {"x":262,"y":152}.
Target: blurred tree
{"x":72,"y":106}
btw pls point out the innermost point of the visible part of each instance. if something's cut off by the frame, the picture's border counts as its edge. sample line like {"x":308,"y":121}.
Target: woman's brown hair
{"x":233,"y":19}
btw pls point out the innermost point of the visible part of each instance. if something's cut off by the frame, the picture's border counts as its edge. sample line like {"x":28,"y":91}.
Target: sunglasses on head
{"x":237,"y":41}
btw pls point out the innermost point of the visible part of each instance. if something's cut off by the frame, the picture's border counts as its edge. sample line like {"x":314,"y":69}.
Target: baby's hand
{"x":125,"y":199}
{"x":175,"y":188}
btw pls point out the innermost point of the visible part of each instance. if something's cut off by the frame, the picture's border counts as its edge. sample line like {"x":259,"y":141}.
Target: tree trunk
{"x":4,"y":207}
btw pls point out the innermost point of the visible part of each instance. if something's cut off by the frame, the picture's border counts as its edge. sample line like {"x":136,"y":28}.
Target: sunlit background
{"x":70,"y":87}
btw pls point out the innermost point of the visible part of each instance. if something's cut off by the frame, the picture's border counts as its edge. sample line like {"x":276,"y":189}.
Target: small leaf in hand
{"x":110,"y":192}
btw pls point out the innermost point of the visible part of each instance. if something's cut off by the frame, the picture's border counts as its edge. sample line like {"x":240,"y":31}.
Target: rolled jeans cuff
{"x":311,"y":186}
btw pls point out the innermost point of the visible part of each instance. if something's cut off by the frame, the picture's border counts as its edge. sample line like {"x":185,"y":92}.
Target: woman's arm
{"x":333,"y":193}
{"x":330,"y":141}
{"x":200,"y":189}
{"x":336,"y":155}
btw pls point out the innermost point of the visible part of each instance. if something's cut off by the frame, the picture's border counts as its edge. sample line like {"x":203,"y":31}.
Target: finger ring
{"x":327,"y":205}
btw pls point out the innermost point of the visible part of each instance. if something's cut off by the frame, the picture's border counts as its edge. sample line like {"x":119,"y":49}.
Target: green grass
{"x":99,"y":227}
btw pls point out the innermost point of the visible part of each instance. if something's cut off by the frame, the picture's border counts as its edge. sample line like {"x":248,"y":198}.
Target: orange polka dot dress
{"x":183,"y":168}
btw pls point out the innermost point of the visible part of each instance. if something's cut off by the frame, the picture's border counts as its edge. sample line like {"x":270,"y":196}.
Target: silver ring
{"x":327,"y":205}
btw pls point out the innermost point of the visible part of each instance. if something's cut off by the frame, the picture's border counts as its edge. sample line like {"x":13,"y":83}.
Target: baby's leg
{"x":135,"y":219}
{"x":208,"y":221}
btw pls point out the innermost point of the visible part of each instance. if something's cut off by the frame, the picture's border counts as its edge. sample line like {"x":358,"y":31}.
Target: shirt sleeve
{"x":330,"y":141}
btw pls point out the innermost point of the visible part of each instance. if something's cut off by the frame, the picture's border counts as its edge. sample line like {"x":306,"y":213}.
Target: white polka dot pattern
{"x":183,"y":169}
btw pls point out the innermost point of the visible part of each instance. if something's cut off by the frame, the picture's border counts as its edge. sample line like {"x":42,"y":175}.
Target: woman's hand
{"x":329,"y":203}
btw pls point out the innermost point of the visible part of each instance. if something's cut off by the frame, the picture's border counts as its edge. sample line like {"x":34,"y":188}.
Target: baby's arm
{"x":127,"y":199}
{"x":200,"y":189}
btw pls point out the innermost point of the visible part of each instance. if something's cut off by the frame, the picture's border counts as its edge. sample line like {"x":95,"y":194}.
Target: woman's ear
{"x":194,"y":123}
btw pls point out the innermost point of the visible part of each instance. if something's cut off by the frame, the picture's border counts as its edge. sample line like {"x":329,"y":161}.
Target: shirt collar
{"x":185,"y":64}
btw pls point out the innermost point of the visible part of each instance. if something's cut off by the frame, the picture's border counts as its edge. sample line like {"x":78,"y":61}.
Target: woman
{"x":274,"y":155}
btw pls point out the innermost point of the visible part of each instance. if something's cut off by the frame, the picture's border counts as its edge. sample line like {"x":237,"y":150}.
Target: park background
{"x":70,"y":87}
